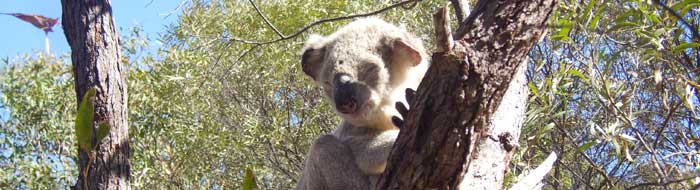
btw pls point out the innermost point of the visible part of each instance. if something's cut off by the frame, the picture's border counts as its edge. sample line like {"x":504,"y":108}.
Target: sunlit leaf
{"x":586,"y":146}
{"x":577,"y":73}
{"x":563,"y":33}
{"x":628,"y":156}
{"x":688,"y":99}
{"x":684,"y":46}
{"x":533,"y":89}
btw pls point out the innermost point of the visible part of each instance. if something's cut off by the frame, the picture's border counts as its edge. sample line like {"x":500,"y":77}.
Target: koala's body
{"x":363,"y":68}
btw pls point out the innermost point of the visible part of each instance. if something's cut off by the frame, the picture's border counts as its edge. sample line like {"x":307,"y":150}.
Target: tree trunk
{"x":96,"y":56}
{"x":451,"y":138}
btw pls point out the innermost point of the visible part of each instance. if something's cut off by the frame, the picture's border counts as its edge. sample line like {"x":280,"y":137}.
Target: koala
{"x":363,"y":69}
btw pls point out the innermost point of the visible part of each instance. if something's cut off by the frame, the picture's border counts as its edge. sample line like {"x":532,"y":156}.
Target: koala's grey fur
{"x":363,"y":68}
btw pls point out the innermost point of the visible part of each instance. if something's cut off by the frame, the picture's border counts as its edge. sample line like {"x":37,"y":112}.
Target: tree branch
{"x":662,"y":184}
{"x":461,"y":9}
{"x":266,"y":20}
{"x":307,"y":27}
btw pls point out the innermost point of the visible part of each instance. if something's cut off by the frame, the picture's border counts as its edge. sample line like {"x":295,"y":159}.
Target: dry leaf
{"x":658,"y":78}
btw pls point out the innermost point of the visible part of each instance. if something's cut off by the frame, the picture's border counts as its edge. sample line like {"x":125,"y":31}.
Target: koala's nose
{"x":342,"y":79}
{"x":344,"y":94}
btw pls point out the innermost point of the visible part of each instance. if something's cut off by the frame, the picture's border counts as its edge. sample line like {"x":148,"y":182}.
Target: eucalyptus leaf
{"x":586,"y":146}
{"x":684,"y":46}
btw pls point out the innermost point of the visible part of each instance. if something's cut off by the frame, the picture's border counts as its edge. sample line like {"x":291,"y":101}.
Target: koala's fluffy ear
{"x":311,"y":59}
{"x":406,"y":53}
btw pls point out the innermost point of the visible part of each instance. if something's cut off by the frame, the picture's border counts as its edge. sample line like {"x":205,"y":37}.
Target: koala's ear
{"x":406,"y":53}
{"x":312,"y":56}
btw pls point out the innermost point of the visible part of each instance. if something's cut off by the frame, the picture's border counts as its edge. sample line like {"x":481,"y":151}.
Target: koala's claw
{"x":398,"y":122}
{"x":402,"y":109}
{"x":410,"y":94}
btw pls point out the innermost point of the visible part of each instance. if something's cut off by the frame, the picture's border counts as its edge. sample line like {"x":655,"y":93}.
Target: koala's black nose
{"x":342,"y":79}
{"x":344,"y":94}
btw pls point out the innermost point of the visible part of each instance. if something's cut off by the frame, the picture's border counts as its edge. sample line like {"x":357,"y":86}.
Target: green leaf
{"x":577,"y":73}
{"x":533,"y":89}
{"x":563,"y":33}
{"x":594,"y":22}
{"x":249,"y":182}
{"x":586,"y":146}
{"x":589,"y":10}
{"x":622,"y":25}
{"x":684,"y":46}
{"x":84,"y":119}
{"x":102,"y":131}
{"x":688,"y":8}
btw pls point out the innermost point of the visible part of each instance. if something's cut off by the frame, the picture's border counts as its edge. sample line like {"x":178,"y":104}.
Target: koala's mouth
{"x":359,"y":113}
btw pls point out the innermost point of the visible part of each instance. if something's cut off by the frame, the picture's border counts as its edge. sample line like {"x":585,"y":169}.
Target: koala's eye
{"x":371,"y":74}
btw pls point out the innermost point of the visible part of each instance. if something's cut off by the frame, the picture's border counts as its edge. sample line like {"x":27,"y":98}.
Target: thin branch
{"x":664,"y":184}
{"x":654,"y":160}
{"x":218,"y":60}
{"x":587,"y":158}
{"x":166,"y":15}
{"x":665,"y":124}
{"x":266,"y":20}
{"x":675,"y":14}
{"x":461,"y":9}
{"x":307,"y":27}
{"x":236,"y":39}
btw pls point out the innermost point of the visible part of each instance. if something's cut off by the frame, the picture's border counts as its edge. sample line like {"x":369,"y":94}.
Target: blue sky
{"x":19,"y":37}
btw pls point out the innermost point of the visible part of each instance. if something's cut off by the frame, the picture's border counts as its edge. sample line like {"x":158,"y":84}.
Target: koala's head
{"x":363,"y":68}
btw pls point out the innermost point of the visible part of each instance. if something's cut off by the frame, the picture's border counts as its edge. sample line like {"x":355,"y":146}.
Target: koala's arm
{"x":371,"y":151}
{"x":330,"y":165}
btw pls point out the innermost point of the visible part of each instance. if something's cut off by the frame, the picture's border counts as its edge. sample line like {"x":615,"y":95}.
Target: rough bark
{"x":445,"y":141}
{"x":95,"y":54}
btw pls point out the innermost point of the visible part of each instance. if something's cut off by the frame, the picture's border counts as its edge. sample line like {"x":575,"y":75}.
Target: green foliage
{"x":37,"y":139}
{"x":611,"y":93}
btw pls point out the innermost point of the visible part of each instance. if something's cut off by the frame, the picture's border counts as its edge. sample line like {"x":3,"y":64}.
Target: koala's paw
{"x":403,"y":110}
